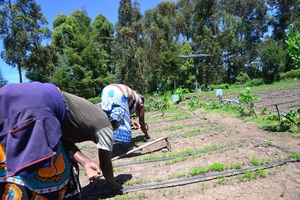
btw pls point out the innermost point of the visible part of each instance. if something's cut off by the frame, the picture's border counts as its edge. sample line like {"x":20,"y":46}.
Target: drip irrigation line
{"x":198,"y":178}
{"x":178,"y":155}
{"x":176,"y":136}
{"x":286,"y":116}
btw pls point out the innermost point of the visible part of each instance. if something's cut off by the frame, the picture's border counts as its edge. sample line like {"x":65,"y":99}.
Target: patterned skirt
{"x":58,"y":181}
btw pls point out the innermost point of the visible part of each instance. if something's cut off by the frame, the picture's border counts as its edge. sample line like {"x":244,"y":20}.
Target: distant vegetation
{"x":241,"y":42}
{"x":287,"y":123}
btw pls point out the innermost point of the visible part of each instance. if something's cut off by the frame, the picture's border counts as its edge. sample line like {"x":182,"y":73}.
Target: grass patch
{"x":139,"y":195}
{"x":294,"y":155}
{"x":250,"y":175}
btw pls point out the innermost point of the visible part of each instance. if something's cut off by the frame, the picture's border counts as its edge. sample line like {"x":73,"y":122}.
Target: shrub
{"x":221,"y":86}
{"x":242,"y":78}
{"x":247,"y":98}
{"x":95,"y":100}
{"x":181,"y":93}
{"x":255,"y":82}
{"x":293,"y":74}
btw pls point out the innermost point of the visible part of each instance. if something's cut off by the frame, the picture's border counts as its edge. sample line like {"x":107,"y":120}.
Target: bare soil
{"x":235,"y":142}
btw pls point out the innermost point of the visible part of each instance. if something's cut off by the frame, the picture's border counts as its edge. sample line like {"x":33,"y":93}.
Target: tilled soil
{"x":212,"y":140}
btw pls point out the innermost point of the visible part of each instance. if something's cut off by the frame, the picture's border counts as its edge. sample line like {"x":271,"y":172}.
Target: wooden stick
{"x":278,"y":113}
{"x":140,"y":147}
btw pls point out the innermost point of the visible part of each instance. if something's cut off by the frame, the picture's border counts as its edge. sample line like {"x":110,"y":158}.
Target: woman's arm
{"x":92,"y":169}
{"x":107,"y":169}
{"x":142,"y":122}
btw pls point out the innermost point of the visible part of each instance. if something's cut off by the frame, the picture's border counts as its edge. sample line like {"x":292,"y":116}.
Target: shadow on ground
{"x":98,"y":189}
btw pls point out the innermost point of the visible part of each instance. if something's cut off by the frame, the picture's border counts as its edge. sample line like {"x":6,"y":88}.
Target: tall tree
{"x":273,"y":60}
{"x":184,"y":19}
{"x":252,"y":19}
{"x":284,"y":13}
{"x":127,"y":44}
{"x":83,"y":63}
{"x":21,"y":27}
{"x":186,"y":73}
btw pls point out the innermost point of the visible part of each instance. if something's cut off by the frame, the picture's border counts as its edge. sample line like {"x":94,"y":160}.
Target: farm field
{"x":213,"y":156}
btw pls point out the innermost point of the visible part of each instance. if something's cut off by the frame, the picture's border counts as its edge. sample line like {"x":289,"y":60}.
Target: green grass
{"x":294,"y":155}
{"x":139,"y":195}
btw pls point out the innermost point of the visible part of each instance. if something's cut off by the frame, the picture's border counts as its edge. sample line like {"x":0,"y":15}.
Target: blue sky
{"x":52,"y":8}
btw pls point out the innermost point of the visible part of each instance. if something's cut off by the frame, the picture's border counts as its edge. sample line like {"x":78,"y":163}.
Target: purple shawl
{"x":30,"y":124}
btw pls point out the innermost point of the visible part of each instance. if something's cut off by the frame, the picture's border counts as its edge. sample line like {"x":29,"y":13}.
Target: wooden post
{"x":278,"y":113}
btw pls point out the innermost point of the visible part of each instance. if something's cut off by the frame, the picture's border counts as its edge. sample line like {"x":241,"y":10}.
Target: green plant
{"x":293,"y":43}
{"x":217,"y":167}
{"x":215,"y":105}
{"x":198,"y":171}
{"x":158,"y":102}
{"x":242,"y":78}
{"x":255,"y":161}
{"x":248,"y":175}
{"x":247,"y":99}
{"x":293,"y":74}
{"x":255,"y":82}
{"x":261,"y":173}
{"x":194,"y":103}
{"x":294,"y":155}
{"x":292,"y":117}
{"x":222,"y":181}
{"x":181,"y":93}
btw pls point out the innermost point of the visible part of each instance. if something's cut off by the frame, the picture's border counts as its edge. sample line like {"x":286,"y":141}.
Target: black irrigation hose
{"x":290,"y":119}
{"x":199,"y":177}
{"x":178,"y":155}
{"x":176,"y":136}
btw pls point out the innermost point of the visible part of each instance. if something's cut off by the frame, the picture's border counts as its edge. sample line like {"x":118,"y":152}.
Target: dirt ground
{"x":220,"y":139}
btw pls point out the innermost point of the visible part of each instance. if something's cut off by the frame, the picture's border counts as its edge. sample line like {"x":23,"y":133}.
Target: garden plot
{"x":212,"y":157}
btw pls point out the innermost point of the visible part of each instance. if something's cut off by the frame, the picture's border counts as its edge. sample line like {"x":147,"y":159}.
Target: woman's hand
{"x":135,"y":124}
{"x":93,"y":170}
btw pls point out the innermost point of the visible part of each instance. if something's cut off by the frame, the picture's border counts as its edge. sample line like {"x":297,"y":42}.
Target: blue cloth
{"x":112,"y":95}
{"x":113,"y":111}
{"x":30,"y":125}
{"x":58,"y":181}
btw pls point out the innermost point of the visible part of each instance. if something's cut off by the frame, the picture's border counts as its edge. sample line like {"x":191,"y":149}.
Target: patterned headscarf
{"x":113,"y":111}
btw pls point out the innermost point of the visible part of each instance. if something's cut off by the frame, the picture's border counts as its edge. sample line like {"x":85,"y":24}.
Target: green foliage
{"x":242,"y":78}
{"x":247,"y":99}
{"x":21,"y":28}
{"x":83,"y":59}
{"x":221,"y":86}
{"x":181,"y":93}
{"x":255,"y":82}
{"x":158,"y":102}
{"x":143,"y":50}
{"x":292,"y":117}
{"x":294,"y":155}
{"x":293,"y":74}
{"x":273,"y":57}
{"x":194,"y":103}
{"x":293,"y":43}
{"x":217,"y":167}
{"x":215,"y":105}
{"x":95,"y":100}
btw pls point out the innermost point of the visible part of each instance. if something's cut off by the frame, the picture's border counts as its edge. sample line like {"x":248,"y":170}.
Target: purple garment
{"x":30,"y":124}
